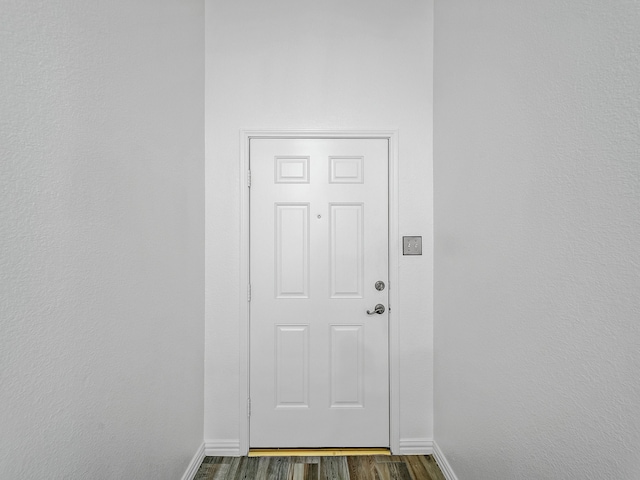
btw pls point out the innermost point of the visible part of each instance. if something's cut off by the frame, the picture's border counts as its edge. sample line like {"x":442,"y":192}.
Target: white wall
{"x":101,"y":238}
{"x":291,"y":64}
{"x":537,"y":253}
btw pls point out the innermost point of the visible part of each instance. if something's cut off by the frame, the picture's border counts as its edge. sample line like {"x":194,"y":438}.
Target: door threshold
{"x":316,"y":452}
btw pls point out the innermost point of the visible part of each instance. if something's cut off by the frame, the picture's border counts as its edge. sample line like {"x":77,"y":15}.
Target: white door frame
{"x":395,"y":250}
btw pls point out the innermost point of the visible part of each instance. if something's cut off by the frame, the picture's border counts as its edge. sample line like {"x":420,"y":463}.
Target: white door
{"x":319,"y":373}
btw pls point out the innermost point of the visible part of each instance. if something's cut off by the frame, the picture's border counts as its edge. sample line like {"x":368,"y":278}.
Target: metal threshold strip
{"x":316,"y":452}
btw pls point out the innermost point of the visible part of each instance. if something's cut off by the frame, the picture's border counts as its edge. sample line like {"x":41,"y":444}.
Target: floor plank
{"x":212,"y":471}
{"x":432,"y":467}
{"x":312,"y":471}
{"x":259,"y":467}
{"x":250,"y":470}
{"x":306,"y":459}
{"x":393,"y":471}
{"x":279,"y":468}
{"x":373,"y":467}
{"x":362,"y":468}
{"x":334,"y":468}
{"x":297,"y":471}
{"x":417,"y":470}
{"x":389,"y":458}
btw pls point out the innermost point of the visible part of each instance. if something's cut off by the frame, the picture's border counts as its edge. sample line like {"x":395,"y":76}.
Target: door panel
{"x":292,"y":366}
{"x":292,"y":250}
{"x":319,"y":242}
{"x":346,"y":255}
{"x":347,"y":366}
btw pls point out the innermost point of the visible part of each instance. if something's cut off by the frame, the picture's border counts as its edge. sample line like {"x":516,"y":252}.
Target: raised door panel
{"x":292,"y":250}
{"x":291,"y":169}
{"x":347,"y":366}
{"x":346,"y":169}
{"x":292,"y":366}
{"x":346,"y":253}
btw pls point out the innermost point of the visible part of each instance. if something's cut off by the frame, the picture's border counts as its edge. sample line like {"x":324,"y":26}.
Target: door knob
{"x":379,"y":309}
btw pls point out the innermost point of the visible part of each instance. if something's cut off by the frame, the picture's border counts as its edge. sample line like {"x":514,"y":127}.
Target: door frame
{"x":395,"y":250}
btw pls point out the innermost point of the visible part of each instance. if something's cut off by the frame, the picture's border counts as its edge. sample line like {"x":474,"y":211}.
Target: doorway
{"x":320,"y":353}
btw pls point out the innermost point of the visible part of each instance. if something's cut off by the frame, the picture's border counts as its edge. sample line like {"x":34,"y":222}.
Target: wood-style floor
{"x":374,"y":467}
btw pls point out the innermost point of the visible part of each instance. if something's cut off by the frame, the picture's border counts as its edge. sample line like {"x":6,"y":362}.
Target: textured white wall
{"x":537,"y":248}
{"x":101,"y":238}
{"x":290,"y":64}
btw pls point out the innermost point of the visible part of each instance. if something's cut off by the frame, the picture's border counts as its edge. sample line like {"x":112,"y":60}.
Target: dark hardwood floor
{"x":374,"y":467}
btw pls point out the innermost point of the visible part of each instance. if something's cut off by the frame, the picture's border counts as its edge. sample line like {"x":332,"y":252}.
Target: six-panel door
{"x":319,"y":233}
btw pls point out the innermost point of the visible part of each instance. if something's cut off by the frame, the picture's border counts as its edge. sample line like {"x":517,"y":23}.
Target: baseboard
{"x":231,"y":448}
{"x":194,"y":464}
{"x":415,"y":446}
{"x":441,"y":460}
{"x":222,"y":448}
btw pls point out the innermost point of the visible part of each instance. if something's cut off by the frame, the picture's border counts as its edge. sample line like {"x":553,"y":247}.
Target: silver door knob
{"x":379,"y":309}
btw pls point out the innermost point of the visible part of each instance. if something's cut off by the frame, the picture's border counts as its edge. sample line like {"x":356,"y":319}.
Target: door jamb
{"x":394,"y":261}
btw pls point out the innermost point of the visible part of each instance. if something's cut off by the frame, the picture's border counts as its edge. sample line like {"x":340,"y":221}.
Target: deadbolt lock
{"x":379,"y":285}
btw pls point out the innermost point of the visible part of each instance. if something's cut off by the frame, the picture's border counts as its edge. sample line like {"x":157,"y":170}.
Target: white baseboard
{"x":441,"y":460}
{"x":222,"y":448}
{"x":415,"y":446}
{"x":231,"y":448}
{"x":194,"y":464}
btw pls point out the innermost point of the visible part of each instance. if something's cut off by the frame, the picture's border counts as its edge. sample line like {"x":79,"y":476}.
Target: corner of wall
{"x":194,"y":464}
{"x":442,"y":462}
